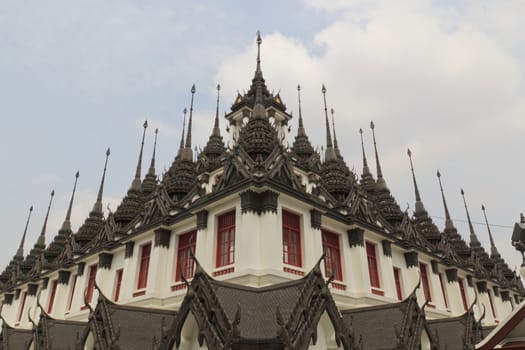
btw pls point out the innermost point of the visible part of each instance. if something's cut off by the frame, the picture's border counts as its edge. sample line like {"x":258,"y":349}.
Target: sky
{"x":443,"y":78}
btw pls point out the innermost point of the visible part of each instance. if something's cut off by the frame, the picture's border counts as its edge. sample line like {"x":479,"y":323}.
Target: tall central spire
{"x":66,"y":226}
{"x":449,"y":225}
{"x":216,"y":130}
{"x":42,"y":238}
{"x":258,"y":71}
{"x":20,"y":251}
{"x":135,"y":185}
{"x":419,"y":204}
{"x":329,"y":153}
{"x":493,"y":250}
{"x":473,"y":238}
{"x":301,"y":130}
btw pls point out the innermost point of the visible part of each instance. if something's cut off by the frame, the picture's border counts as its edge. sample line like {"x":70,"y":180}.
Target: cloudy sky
{"x":445,"y":78}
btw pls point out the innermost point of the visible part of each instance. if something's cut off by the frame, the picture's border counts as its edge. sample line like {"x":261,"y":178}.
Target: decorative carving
{"x":8,"y":298}
{"x":356,"y":237}
{"x":105,"y":260}
{"x":45,"y":282}
{"x":387,"y":247}
{"x":434,"y":266}
{"x":63,"y":276}
{"x":81,"y":268}
{"x":315,"y":219}
{"x":32,"y":288}
{"x":259,"y":202}
{"x":482,"y":286}
{"x":17,"y":293}
{"x":411,"y":259}
{"x":128,"y":253}
{"x":162,"y":237}
{"x":470,"y":281}
{"x":249,"y":202}
{"x":202,"y":220}
{"x":505,"y":295}
{"x":452,"y":275}
{"x":496,"y":291}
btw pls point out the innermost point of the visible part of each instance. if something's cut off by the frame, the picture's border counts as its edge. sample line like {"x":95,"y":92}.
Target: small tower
{"x":214,"y":149}
{"x":149,"y":184}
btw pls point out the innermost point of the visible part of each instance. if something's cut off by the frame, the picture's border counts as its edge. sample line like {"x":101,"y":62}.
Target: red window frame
{"x":443,"y":291}
{"x":118,"y":283}
{"x":226,"y":239}
{"x":373,"y":270}
{"x":291,"y":239}
{"x":54,"y":286}
{"x":332,"y":260}
{"x":424,"y":278}
{"x":145,"y":254}
{"x":72,"y":295}
{"x":461,"y":283}
{"x":492,"y":308}
{"x":91,"y":282}
{"x":22,"y":305}
{"x":397,"y":281}
{"x":184,"y":260}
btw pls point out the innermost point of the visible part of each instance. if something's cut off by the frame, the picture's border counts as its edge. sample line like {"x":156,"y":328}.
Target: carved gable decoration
{"x":259,"y":203}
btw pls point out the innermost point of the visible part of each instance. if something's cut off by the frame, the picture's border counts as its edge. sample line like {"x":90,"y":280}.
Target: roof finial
{"x":419,"y":204}
{"x":366,"y":171}
{"x":380,"y":180}
{"x":20,"y":251}
{"x":42,"y":238}
{"x":329,"y":153}
{"x":493,"y":249}
{"x":67,"y":222}
{"x":336,"y":146}
{"x":97,"y":208}
{"x":301,"y":130}
{"x":184,"y":111}
{"x":473,"y":237}
{"x":188,"y":136}
{"x":216,"y":131}
{"x":259,"y":41}
{"x":151,"y":170}
{"x":136,"y":181}
{"x":448,"y":221}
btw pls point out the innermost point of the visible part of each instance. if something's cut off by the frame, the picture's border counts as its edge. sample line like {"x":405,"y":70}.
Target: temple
{"x":262,"y":242}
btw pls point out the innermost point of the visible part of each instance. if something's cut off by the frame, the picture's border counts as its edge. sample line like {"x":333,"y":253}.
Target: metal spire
{"x":380,"y":180}
{"x":67,"y":222}
{"x":259,"y":41}
{"x":20,"y":251}
{"x":97,"y":208}
{"x":42,"y":238}
{"x":329,"y":153}
{"x":419,"y":204}
{"x":136,"y":181}
{"x":188,"y":136}
{"x":184,"y":111}
{"x":216,"y":131}
{"x":151,"y":170}
{"x":473,"y":237}
{"x":337,"y":152}
{"x":449,"y":225}
{"x":300,"y":131}
{"x":366,"y":170}
{"x":493,"y":249}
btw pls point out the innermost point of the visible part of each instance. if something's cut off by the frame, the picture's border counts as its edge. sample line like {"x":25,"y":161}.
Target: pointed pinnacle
{"x":419,"y":205}
{"x":473,"y":237}
{"x":216,"y":130}
{"x":329,"y":153}
{"x":42,"y":239}
{"x":67,"y":222}
{"x":20,"y":251}
{"x":381,"y":183}
{"x":136,"y":181}
{"x":188,"y":136}
{"x":366,"y":171}
{"x":335,"y":137}
{"x":97,"y":208}
{"x":151,"y":170}
{"x":300,"y":131}
{"x":493,"y":249}
{"x":448,"y":221}
{"x":259,"y":42}
{"x":184,"y":111}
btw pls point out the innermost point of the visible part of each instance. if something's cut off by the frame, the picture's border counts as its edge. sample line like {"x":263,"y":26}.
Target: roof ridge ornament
{"x":20,"y":251}
{"x":420,"y":208}
{"x":67,"y":221}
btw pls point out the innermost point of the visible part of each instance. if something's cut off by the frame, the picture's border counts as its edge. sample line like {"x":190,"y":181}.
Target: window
{"x":291,"y":239}
{"x":22,"y":305}
{"x":54,"y":285}
{"x":226,"y":239}
{"x":443,"y":291}
{"x":461,"y":283}
{"x":424,"y":280}
{"x":332,"y":261}
{"x":91,"y":282}
{"x":70,"y":301}
{"x":118,"y":283}
{"x":184,"y":261}
{"x":373,"y":270}
{"x":492,"y":308}
{"x":397,"y":281}
{"x":145,"y":253}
